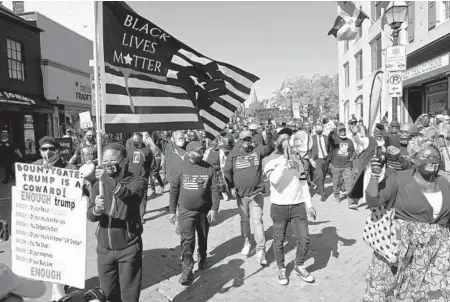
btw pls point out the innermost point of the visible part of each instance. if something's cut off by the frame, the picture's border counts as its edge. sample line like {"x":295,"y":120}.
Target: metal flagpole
{"x":98,"y":101}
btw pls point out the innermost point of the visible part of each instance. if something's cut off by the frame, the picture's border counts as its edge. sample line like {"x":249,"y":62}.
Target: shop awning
{"x":14,"y":101}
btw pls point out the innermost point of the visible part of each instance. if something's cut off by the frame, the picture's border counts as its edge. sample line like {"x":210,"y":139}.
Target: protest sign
{"x":49,"y":225}
{"x":66,"y":147}
{"x":85,"y":120}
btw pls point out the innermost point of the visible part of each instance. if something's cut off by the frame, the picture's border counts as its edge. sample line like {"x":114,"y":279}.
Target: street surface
{"x":338,"y":258}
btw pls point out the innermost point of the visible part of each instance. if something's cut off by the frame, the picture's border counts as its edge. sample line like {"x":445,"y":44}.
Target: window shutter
{"x":379,"y":54}
{"x":431,"y":15}
{"x":373,"y":55}
{"x":373,"y":10}
{"x":411,"y":23}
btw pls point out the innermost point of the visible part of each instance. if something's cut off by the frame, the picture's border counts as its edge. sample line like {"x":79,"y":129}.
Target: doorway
{"x":415,"y":104}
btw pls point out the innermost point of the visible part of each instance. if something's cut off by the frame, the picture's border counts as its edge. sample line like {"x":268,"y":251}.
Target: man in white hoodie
{"x":290,"y":200}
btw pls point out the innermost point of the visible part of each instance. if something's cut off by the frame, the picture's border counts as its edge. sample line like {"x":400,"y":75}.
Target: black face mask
{"x":113,"y":169}
{"x":428,"y":168}
{"x":319,"y":132}
{"x":137,"y":144}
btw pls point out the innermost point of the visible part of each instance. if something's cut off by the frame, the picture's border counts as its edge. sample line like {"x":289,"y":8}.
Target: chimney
{"x":18,"y":7}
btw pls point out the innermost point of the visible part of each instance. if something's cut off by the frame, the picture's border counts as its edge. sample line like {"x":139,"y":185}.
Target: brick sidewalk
{"x":338,"y":259}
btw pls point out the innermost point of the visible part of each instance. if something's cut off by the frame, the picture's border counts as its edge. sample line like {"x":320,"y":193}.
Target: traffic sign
{"x":396,"y":58}
{"x":396,"y":84}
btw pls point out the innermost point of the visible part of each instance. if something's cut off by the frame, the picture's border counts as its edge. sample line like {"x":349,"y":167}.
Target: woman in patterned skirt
{"x":421,"y":199}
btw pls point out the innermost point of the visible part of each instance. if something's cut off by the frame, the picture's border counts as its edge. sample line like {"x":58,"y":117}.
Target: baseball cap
{"x":287,"y":131}
{"x":10,"y":283}
{"x":446,"y":117}
{"x":253,"y":127}
{"x":245,"y":134}
{"x":49,"y":140}
{"x":439,"y":116}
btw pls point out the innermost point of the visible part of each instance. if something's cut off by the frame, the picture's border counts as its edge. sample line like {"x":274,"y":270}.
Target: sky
{"x":273,"y":40}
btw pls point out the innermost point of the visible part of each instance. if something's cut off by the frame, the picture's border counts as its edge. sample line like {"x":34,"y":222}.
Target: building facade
{"x":66,"y":71}
{"x":426,"y":34}
{"x":24,"y":111}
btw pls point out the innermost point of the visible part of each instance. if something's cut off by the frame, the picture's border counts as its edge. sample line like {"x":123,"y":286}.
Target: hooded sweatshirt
{"x":139,"y":160}
{"x":287,"y":186}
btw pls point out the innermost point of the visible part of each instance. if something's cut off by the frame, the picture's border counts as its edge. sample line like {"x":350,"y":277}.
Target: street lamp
{"x":395,"y":15}
{"x":289,"y":94}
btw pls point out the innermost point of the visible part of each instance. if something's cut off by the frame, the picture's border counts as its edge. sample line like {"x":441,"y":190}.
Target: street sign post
{"x":395,"y":84}
{"x":396,"y":58}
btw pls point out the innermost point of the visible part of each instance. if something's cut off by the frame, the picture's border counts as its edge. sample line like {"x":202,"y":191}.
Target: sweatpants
{"x":120,"y":272}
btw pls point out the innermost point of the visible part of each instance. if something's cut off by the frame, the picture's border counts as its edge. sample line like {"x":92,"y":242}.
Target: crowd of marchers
{"x":400,"y":174}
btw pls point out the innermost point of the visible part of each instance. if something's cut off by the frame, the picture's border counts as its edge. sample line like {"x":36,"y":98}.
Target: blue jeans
{"x":282,"y":215}
{"x":251,"y":210}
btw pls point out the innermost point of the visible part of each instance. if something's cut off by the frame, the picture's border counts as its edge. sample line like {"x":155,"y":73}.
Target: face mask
{"x":50,"y":156}
{"x":136,"y":144}
{"x":427,"y":168}
{"x":179,"y":143}
{"x":319,"y":132}
{"x":343,"y":136}
{"x":247,"y":146}
{"x":112,"y":169}
{"x":404,"y":139}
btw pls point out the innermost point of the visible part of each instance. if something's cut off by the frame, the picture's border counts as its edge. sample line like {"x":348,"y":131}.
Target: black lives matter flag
{"x":155,"y":82}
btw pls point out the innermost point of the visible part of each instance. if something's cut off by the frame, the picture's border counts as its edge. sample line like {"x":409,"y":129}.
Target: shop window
{"x":15,"y":60}
{"x":359,"y":66}
{"x":377,"y":8}
{"x":437,"y":98}
{"x":30,"y":144}
{"x":346,"y":75}
{"x":375,"y":49}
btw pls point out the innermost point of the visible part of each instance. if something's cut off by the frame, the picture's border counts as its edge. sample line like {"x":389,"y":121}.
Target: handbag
{"x":380,"y":233}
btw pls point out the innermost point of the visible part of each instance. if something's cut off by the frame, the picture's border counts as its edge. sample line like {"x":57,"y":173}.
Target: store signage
{"x":395,"y":84}
{"x":426,"y":67}
{"x":14,"y":98}
{"x":83,"y":92}
{"x":396,"y":58}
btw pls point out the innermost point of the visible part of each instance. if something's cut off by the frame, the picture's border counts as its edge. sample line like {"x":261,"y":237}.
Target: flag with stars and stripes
{"x":155,"y":82}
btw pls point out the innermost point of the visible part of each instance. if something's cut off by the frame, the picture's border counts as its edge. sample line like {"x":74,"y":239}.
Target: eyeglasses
{"x":48,"y":149}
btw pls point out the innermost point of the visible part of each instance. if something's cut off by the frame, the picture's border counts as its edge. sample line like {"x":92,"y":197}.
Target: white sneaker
{"x":303,"y":273}
{"x":261,"y":258}
{"x":246,"y":249}
{"x":282,"y":278}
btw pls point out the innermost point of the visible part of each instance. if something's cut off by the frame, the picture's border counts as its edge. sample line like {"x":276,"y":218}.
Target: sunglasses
{"x":48,"y":149}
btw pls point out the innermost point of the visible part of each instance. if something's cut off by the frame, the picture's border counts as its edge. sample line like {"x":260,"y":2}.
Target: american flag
{"x":155,"y":82}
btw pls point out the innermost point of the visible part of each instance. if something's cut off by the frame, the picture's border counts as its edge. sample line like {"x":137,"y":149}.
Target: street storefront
{"x":69,"y":90}
{"x":426,"y":81}
{"x":26,"y":118}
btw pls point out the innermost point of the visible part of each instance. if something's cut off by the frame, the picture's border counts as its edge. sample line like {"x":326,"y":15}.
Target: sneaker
{"x":353,"y":206}
{"x":261,"y":258}
{"x":246,"y":249}
{"x":323,"y":198}
{"x":202,"y":265}
{"x":282,"y":278}
{"x":303,"y":273}
{"x":186,"y":278}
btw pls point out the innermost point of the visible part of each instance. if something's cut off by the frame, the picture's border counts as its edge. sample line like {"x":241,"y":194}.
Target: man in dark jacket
{"x":243,"y":173}
{"x":342,"y":155}
{"x":319,"y":159}
{"x":119,"y":243}
{"x":195,"y":192}
{"x":140,"y":159}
